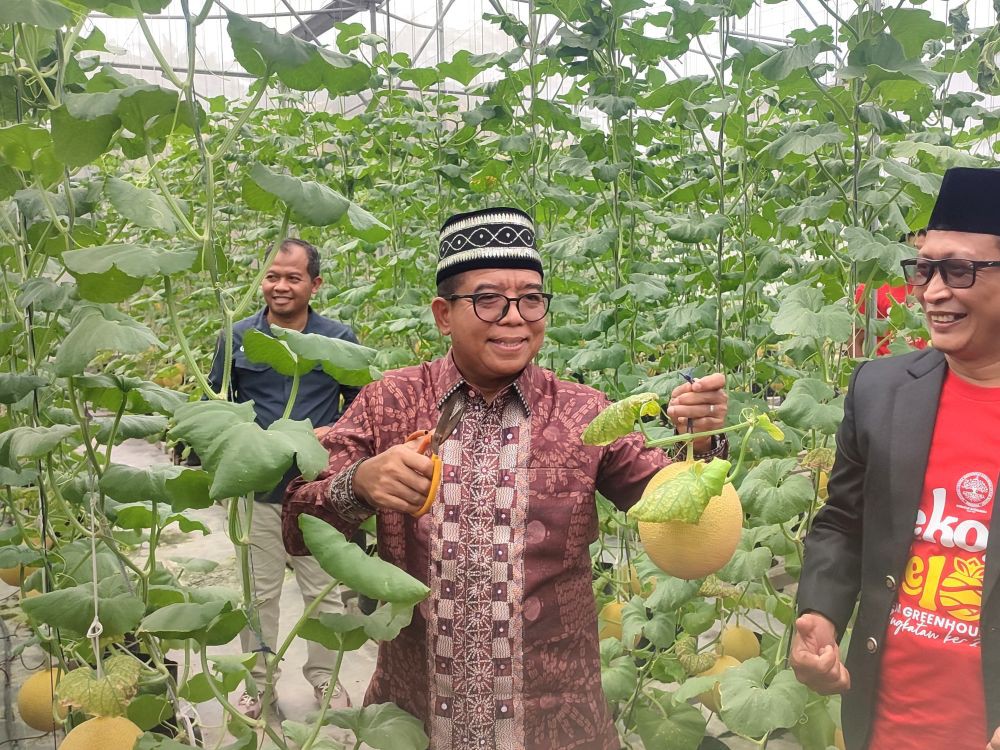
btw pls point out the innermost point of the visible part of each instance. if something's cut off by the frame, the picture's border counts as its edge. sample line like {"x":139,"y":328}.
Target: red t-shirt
{"x":930,"y":692}
{"x":883,"y":296}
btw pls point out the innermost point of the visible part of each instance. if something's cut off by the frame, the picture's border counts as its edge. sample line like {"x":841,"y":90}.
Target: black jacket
{"x":860,"y":540}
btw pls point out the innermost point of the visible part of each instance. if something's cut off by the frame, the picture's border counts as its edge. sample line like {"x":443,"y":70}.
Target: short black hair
{"x":449,"y":286}
{"x":312,"y":254}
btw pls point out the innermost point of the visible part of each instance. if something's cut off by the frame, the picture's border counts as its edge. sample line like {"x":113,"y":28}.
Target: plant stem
{"x":182,"y":341}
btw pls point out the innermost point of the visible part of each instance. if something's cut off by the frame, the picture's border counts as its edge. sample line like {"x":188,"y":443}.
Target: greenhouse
{"x":502,"y":374}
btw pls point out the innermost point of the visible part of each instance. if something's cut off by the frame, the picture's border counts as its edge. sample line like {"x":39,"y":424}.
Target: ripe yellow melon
{"x":102,"y":733}
{"x":610,"y":621}
{"x":712,"y":699}
{"x":739,"y":643}
{"x":15,"y":576}
{"x":690,"y":551}
{"x":35,"y":698}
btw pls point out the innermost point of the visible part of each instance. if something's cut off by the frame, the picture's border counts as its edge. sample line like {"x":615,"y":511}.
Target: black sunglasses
{"x":958,"y":273}
{"x":491,"y":307}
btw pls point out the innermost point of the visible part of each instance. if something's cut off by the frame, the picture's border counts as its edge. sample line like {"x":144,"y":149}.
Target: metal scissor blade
{"x":451,"y":415}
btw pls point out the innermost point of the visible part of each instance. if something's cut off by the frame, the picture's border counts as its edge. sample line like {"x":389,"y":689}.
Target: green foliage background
{"x":716,"y":222}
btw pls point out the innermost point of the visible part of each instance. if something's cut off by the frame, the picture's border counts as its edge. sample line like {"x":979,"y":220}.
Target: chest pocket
{"x":241,"y":362}
{"x":562,"y":514}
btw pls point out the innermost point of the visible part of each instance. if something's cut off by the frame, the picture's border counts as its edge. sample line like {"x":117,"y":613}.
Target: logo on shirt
{"x":974,"y":490}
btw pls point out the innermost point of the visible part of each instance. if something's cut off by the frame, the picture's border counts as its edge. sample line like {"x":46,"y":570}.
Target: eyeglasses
{"x":958,"y":273}
{"x":492,"y":308}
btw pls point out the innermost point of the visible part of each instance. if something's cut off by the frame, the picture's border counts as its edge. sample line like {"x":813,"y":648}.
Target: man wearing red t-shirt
{"x":907,"y":525}
{"x":885,"y":296}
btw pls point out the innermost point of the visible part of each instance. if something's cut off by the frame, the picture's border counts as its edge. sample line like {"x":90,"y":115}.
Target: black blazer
{"x":860,"y":540}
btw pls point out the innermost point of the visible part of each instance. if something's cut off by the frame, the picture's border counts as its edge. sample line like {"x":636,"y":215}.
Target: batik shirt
{"x":504,"y":652}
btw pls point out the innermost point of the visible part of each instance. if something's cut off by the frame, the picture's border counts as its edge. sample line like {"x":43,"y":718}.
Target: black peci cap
{"x":499,"y":237}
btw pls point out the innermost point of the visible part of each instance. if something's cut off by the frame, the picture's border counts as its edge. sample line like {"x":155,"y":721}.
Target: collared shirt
{"x":504,"y":652}
{"x":318,"y":398}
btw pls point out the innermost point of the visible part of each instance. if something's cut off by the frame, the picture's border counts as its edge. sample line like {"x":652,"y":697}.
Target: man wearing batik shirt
{"x":504,"y":652}
{"x":911,"y":498}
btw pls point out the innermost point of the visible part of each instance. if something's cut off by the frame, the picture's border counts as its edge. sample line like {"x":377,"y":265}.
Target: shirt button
{"x":890,"y":583}
{"x":872,"y":645}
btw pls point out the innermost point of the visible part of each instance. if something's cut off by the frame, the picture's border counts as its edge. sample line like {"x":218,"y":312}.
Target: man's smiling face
{"x":964,"y":323}
{"x":491,"y":355}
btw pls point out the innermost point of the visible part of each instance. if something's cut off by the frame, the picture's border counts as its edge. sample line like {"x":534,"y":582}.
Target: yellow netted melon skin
{"x":102,"y":733}
{"x":692,"y":551}
{"x":34,"y":701}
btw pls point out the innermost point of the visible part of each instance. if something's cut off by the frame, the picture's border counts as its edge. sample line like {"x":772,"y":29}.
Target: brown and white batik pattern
{"x":477,"y":580}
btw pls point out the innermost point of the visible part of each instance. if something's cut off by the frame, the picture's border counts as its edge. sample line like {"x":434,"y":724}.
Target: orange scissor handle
{"x":424,"y":436}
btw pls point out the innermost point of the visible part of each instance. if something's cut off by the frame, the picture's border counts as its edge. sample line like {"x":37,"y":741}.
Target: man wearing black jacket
{"x":906,"y":529}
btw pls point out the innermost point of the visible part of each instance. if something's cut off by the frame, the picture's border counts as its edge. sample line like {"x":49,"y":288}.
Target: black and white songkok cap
{"x":499,"y":237}
{"x":969,"y":201}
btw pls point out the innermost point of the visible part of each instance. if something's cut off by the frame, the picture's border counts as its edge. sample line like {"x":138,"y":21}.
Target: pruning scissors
{"x":451,"y":415}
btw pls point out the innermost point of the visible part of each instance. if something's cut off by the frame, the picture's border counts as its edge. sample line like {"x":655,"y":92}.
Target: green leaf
{"x":790,"y":59}
{"x":670,"y":723}
{"x":945,"y":156}
{"x":152,"y":111}
{"x":460,"y":68}
{"x":875,"y":250}
{"x":230,"y":673}
{"x":599,"y":357}
{"x":613,"y":106}
{"x":111,"y":273}
{"x":748,"y":563}
{"x":753,"y":708}
{"x":669,"y":593}
{"x":698,"y":229}
{"x":927,"y":182}
{"x":199,"y":423}
{"x":804,"y":313}
{"x":108,"y":391}
{"x":78,"y":142}
{"x":349,"y":564}
{"x":772,"y":494}
{"x":913,"y":28}
{"x":382,"y":726}
{"x":72,"y":609}
{"x":618,"y":677}
{"x":804,"y":140}
{"x":263,"y":349}
{"x":683,"y":497}
{"x":138,"y":516}
{"x":344,"y":361}
{"x":362,"y":224}
{"x":107,"y":695}
{"x":143,"y":207}
{"x":26,"y":443}
{"x":130,"y":426}
{"x":312,"y":202}
{"x":335,"y":631}
{"x":812,"y":405}
{"x":618,"y":419}
{"x":182,"y":620}
{"x":299,"y":65}
{"x":178,"y":487}
{"x":816,"y":729}
{"x":881,"y":58}
{"x":99,"y":328}
{"x":248,"y":459}
{"x":28,"y":148}
{"x":45,"y":14}
{"x":148,"y":711}
{"x":14,"y":387}
{"x":349,"y":632}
